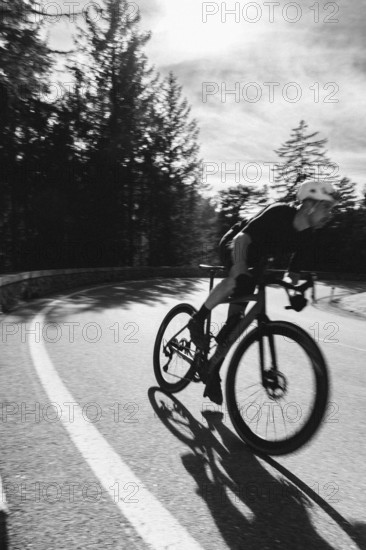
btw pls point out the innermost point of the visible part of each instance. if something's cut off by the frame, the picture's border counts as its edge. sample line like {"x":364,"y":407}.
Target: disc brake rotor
{"x":275,"y":384}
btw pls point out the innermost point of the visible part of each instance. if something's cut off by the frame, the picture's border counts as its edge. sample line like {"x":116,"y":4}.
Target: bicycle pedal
{"x":199,"y":365}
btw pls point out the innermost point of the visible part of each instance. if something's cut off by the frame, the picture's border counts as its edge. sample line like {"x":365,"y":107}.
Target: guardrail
{"x":20,"y":287}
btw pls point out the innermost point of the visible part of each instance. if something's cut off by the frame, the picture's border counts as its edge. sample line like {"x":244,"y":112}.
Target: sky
{"x":252,"y":70}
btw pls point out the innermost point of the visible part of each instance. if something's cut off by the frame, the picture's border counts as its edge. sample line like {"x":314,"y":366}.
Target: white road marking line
{"x":3,"y":503}
{"x":343,"y":345}
{"x":151,"y":520}
{"x":352,"y":347}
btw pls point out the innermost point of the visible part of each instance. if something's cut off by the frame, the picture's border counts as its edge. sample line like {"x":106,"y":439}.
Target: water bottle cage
{"x":298,"y":302}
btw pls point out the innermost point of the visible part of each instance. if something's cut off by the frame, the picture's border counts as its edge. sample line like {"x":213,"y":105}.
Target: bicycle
{"x":268,"y":346}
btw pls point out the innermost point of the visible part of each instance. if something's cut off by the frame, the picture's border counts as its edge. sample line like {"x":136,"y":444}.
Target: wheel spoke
{"x":259,"y":417}
{"x":252,"y":385}
{"x":298,"y":386}
{"x":254,"y":393}
{"x":173,"y":340}
{"x":283,"y":417}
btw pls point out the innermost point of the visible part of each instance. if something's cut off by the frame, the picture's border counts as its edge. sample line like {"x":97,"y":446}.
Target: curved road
{"x":95,"y":456}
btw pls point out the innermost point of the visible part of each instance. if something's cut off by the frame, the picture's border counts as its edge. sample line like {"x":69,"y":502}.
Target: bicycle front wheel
{"x":174,"y":351}
{"x":279,"y":413}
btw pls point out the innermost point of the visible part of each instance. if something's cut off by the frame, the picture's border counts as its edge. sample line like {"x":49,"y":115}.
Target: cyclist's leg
{"x":222,"y":290}
{"x":213,"y":385}
{"x":236,"y":310}
{"x":218,"y":295}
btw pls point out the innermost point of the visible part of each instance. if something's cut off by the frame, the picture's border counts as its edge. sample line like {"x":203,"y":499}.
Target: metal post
{"x":313,"y":295}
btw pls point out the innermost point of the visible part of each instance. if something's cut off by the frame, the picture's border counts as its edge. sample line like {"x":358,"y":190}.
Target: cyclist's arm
{"x":239,"y":254}
{"x":303,"y":259}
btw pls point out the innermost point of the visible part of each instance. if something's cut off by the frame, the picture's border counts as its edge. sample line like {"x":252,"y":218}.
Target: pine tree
{"x":363,"y":198}
{"x":347,"y":194}
{"x":174,"y":178}
{"x":238,"y":203}
{"x":302,"y":156}
{"x":24,"y":66}
{"x":202,"y":237}
{"x":117,"y":102}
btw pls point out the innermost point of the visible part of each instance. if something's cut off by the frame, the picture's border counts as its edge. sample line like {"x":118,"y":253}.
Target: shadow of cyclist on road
{"x":251,"y":506}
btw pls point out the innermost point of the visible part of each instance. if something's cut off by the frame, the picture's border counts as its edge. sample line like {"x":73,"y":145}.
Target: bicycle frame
{"x":263,"y":343}
{"x":257,"y":312}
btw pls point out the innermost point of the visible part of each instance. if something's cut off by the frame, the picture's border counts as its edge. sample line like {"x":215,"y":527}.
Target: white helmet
{"x":317,"y":190}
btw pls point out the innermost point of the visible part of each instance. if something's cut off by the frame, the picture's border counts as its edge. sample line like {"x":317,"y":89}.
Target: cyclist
{"x":277,"y":229}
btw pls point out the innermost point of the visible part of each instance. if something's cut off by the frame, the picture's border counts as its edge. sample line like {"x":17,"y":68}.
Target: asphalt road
{"x":95,"y":456}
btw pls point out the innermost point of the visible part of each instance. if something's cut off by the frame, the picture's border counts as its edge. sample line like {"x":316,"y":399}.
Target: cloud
{"x":344,"y":29}
{"x":314,"y":68}
{"x":308,"y":55}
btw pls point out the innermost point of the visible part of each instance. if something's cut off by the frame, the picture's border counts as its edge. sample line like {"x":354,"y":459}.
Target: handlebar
{"x":309,"y":283}
{"x":297,"y":301}
{"x":267,"y":277}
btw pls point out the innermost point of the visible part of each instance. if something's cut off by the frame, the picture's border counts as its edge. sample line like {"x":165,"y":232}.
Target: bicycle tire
{"x":313,"y":354}
{"x":179,"y":385}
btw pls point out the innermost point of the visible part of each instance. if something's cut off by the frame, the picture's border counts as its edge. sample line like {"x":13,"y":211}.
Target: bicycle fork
{"x":273,"y":380}
{"x":264,"y":332}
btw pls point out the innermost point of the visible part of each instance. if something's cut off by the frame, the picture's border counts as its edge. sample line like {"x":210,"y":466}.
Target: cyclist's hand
{"x":298,"y":302}
{"x":292,"y":277}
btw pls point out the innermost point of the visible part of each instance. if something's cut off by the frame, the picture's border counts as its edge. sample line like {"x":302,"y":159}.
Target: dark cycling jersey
{"x":273,"y":234}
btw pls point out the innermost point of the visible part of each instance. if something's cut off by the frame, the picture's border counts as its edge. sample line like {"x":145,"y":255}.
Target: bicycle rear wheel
{"x":174,"y":351}
{"x":280,"y":415}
